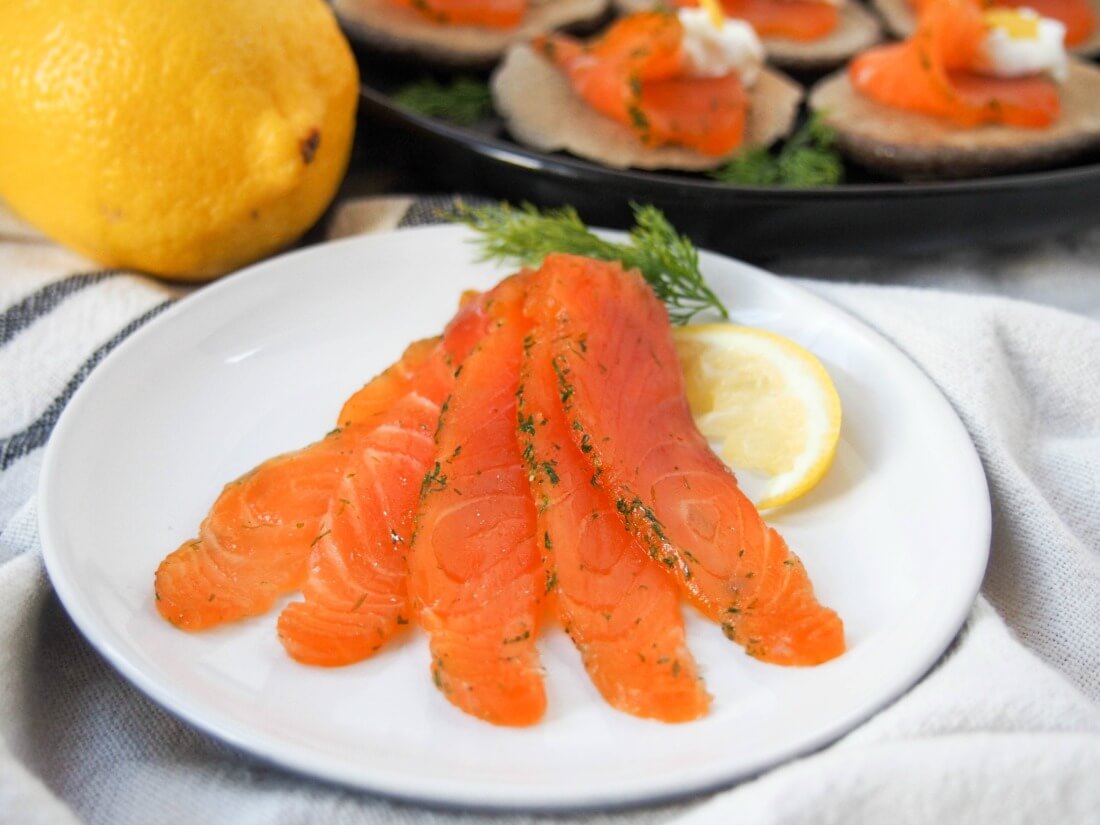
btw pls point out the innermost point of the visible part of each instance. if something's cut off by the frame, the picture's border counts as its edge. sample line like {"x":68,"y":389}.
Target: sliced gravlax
{"x":254,"y":545}
{"x":620,"y":382}
{"x":356,"y":594}
{"x":621,"y":609}
{"x":477,"y":575}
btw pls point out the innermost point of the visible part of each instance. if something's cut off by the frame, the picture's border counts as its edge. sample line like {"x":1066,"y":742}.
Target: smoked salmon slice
{"x":374,"y":400}
{"x":254,"y":544}
{"x":635,"y":73}
{"x":477,"y":575}
{"x":356,"y":592}
{"x":803,"y":20}
{"x":493,"y":14}
{"x":932,"y":73}
{"x":1077,"y":15}
{"x":619,"y":381}
{"x":621,"y":609}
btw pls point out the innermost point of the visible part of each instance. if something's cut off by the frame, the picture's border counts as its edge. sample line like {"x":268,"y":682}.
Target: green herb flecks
{"x":522,"y":637}
{"x":666,"y":259}
{"x":526,"y":423}
{"x":434,"y":481}
{"x":464,"y":101}
{"x":810,"y":157}
{"x":551,"y":471}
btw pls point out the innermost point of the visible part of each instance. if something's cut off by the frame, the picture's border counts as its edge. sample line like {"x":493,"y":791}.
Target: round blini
{"x":856,"y":30}
{"x":389,"y":27}
{"x":542,"y":111}
{"x":916,"y":146}
{"x":901,"y":19}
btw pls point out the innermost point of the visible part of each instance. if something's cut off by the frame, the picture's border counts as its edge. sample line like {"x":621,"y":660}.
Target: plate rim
{"x":454,"y":795}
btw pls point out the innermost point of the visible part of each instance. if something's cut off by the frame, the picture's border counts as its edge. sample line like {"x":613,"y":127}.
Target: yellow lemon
{"x":768,"y":402}
{"x":180,"y":138}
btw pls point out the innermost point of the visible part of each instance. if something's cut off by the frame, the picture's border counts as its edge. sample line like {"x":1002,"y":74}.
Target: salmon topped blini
{"x":1079,"y":17}
{"x":953,"y":67}
{"x":459,"y":32}
{"x":645,"y":74}
{"x":655,"y":89}
{"x":974,"y":90}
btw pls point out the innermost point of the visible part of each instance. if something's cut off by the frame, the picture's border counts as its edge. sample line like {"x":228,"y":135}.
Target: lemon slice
{"x":768,"y":403}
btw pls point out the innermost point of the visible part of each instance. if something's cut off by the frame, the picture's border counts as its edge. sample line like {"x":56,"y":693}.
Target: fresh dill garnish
{"x":809,"y":158}
{"x":666,"y":259}
{"x":464,"y":101}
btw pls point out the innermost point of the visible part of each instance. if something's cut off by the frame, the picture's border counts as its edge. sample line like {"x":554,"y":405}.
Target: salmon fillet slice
{"x":254,"y":544}
{"x":638,"y":74}
{"x":492,"y":14}
{"x":803,"y":20}
{"x":621,"y":609}
{"x":477,"y":575}
{"x":620,"y":382}
{"x":356,"y":592}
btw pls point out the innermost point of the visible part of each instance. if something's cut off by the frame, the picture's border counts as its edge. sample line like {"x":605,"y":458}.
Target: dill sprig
{"x":465,"y":101}
{"x":666,"y":259}
{"x":809,"y":158}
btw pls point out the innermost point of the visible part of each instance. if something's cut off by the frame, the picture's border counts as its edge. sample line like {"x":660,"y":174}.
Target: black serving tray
{"x":864,"y":215}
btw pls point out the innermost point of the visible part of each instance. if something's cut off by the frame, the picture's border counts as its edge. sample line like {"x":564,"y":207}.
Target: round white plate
{"x":895,"y":538}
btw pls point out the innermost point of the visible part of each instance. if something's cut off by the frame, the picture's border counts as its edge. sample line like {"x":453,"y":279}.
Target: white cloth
{"x":1006,"y":729}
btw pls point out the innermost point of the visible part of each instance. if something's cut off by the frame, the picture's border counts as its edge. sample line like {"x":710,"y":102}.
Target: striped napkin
{"x":1006,"y":729}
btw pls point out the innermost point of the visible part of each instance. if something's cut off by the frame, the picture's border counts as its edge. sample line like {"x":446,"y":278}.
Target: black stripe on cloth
{"x":34,"y":436}
{"x":21,"y":315}
{"x":427,"y":211}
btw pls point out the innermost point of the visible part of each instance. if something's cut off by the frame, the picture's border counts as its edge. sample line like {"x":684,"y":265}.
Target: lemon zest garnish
{"x":714,"y":9}
{"x":1016,"y":25}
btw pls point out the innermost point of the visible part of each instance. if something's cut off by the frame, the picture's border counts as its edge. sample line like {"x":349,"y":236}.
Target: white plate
{"x":895,"y":539}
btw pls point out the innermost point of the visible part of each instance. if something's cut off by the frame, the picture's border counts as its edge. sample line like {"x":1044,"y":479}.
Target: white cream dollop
{"x":714,"y":51}
{"x":1020,"y":43}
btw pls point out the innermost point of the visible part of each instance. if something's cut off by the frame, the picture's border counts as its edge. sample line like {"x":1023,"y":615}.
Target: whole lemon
{"x":180,"y":137}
